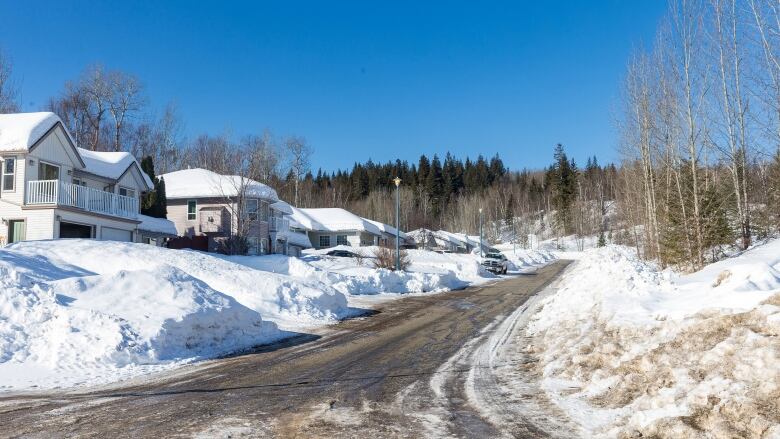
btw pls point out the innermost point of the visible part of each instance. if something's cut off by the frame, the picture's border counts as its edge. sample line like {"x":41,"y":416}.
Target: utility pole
{"x":397,"y":182}
{"x":481,"y":252}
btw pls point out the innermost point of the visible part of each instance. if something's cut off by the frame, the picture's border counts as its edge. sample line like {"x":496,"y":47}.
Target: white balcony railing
{"x":60,"y":193}
{"x":279,"y":224}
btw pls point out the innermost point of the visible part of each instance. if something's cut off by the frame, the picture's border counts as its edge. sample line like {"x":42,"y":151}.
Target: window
{"x":264,"y":211}
{"x":192,"y":213}
{"x":125,"y":192}
{"x":251,"y":209}
{"x":79,"y":182}
{"x":48,"y":172}
{"x":324,"y":241}
{"x":9,"y":173}
{"x":341,"y":240}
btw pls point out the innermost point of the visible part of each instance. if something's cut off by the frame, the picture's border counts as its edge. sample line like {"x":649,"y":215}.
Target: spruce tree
{"x":563,"y":182}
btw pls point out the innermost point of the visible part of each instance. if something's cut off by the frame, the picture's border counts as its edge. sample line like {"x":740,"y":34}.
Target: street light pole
{"x":481,"y":253}
{"x":397,"y":182}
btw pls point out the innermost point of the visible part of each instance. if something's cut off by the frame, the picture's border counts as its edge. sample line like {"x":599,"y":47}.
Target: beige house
{"x":204,"y":203}
{"x":50,"y":188}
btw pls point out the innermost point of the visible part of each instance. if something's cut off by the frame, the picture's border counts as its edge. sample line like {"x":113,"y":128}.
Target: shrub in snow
{"x":385,"y":257}
{"x":233,"y":245}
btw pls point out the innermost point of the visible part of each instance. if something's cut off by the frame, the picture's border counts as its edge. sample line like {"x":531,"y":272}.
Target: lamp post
{"x":397,"y":182}
{"x":481,"y":253}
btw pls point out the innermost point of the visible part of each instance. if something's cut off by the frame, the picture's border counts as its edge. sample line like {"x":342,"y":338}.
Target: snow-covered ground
{"x":627,"y":350}
{"x":90,"y":312}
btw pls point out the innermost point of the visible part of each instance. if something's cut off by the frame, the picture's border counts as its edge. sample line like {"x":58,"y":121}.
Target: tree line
{"x":700,"y":132}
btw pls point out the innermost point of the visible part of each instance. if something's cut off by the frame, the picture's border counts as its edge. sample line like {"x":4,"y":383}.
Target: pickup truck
{"x":495,"y":263}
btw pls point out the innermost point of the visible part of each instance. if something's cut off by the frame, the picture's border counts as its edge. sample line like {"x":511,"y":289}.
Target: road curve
{"x":398,"y":373}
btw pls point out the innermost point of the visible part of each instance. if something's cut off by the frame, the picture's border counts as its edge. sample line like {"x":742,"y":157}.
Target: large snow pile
{"x":628,"y":351}
{"x":84,"y":311}
{"x":428,"y":272}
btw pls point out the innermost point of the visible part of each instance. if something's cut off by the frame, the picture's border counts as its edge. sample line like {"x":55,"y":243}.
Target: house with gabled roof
{"x":329,"y":227}
{"x":50,"y":188}
{"x":203,"y":203}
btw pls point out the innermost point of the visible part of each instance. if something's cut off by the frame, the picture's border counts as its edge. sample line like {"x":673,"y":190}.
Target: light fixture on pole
{"x":397,"y":182}
{"x":481,"y":254}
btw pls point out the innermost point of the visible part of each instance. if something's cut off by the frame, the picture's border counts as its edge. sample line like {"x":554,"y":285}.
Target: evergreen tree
{"x":563,"y":182}
{"x":434,"y":185}
{"x":153,"y":203}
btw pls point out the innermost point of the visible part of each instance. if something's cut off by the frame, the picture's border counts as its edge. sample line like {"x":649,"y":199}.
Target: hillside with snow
{"x":627,"y":350}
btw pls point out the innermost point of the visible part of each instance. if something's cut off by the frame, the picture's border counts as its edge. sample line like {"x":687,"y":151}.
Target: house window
{"x":79,"y":182}
{"x":125,"y":192}
{"x":192,"y":206}
{"x":9,"y":173}
{"x":341,"y":240}
{"x":324,"y":241}
{"x":48,"y":172}
{"x":264,"y":211}
{"x":251,"y":209}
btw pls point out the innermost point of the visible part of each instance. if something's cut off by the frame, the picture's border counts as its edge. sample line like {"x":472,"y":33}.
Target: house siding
{"x":177,"y":213}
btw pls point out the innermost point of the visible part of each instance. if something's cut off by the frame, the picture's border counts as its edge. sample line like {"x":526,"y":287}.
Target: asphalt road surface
{"x":387,"y":375}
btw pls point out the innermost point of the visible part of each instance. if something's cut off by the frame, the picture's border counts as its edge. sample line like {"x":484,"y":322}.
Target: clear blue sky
{"x":359,"y":80}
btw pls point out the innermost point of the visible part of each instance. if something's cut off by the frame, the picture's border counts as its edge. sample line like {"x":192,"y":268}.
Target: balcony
{"x":59,"y":193}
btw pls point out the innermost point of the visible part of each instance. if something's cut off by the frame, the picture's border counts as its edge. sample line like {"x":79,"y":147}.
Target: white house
{"x":204,"y":203}
{"x":329,"y":227}
{"x":51,"y":188}
{"x":443,"y":240}
{"x":389,"y":234}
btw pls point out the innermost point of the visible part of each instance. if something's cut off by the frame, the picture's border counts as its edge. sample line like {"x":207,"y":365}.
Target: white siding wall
{"x":131,"y":180}
{"x":16,"y":196}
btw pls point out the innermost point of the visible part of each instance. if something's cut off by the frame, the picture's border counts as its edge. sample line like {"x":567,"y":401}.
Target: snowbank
{"x":629,"y":351}
{"x":84,"y":311}
{"x":428,"y":272}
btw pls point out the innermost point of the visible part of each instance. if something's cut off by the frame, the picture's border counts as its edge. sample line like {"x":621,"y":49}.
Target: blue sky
{"x":359,"y":80}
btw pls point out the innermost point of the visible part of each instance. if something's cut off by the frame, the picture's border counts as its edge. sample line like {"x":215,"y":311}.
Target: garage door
{"x":110,"y":234}
{"x":75,"y":230}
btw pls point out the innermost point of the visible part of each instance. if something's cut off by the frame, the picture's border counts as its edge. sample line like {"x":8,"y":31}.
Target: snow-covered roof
{"x":157,"y":225}
{"x":20,"y":131}
{"x":386,"y":228}
{"x":111,"y":164}
{"x":455,"y":238}
{"x":299,"y":239}
{"x":202,"y":183}
{"x":281,"y":206}
{"x":332,"y":219}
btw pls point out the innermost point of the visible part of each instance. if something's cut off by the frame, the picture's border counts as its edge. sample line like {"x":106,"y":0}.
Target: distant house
{"x":388,"y":235}
{"x":329,"y":227}
{"x":206,"y":204}
{"x":441,"y":240}
{"x":50,"y":188}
